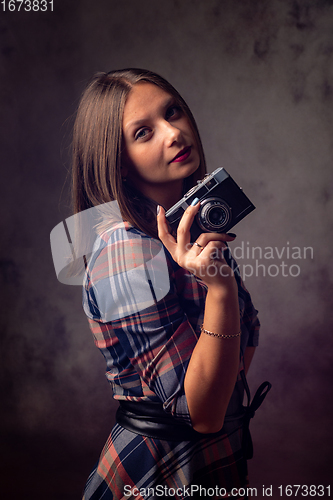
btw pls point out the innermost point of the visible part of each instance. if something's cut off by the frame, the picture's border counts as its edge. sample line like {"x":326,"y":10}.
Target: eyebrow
{"x":136,"y":123}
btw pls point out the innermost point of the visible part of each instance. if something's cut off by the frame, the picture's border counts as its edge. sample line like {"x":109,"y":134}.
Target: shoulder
{"x":127,"y":273}
{"x":122,"y":249}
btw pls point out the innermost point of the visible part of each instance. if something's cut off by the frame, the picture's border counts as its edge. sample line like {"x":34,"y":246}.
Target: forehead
{"x":143,"y":100}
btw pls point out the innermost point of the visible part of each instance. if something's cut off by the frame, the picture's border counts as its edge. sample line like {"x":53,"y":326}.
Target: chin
{"x":191,"y":169}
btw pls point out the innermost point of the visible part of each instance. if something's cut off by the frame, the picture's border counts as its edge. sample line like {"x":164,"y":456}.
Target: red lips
{"x":182,"y":155}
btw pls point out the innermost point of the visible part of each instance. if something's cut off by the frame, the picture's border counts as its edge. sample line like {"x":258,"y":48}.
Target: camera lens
{"x":214,"y":215}
{"x":217,"y":216}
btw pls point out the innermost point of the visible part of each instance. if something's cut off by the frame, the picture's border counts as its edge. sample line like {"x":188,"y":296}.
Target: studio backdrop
{"x":258,"y":76}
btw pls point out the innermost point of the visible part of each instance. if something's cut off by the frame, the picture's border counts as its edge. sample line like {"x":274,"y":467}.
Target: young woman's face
{"x":160,"y":147}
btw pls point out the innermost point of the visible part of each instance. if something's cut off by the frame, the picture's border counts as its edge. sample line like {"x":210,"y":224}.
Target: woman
{"x":174,"y":365}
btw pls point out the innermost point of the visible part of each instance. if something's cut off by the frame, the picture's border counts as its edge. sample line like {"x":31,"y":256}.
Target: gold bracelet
{"x":220,"y":336}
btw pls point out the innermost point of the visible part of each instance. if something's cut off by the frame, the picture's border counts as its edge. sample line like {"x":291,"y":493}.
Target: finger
{"x":216,"y":251}
{"x":217,"y":239}
{"x":183,"y":230}
{"x":205,"y":238}
{"x":213,"y":250}
{"x":197,"y":248}
{"x":163,"y":231}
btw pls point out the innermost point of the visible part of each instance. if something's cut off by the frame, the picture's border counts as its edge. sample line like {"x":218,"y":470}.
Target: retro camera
{"x":223,"y":205}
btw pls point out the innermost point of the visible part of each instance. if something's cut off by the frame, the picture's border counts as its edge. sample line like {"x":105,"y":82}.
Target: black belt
{"x":151,"y":420}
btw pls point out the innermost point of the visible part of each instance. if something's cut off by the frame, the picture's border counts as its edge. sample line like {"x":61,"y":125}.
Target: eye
{"x":141,"y":133}
{"x":173,"y":111}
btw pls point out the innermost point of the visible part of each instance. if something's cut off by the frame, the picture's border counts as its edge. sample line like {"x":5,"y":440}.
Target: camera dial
{"x":214,"y":215}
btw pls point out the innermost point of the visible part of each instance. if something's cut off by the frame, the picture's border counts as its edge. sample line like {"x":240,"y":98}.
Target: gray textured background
{"x":258,"y":76}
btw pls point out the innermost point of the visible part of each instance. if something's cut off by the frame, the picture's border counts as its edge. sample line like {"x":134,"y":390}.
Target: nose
{"x":172,"y":134}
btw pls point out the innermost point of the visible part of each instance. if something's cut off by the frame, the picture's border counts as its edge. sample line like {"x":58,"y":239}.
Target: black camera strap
{"x":250,"y":411}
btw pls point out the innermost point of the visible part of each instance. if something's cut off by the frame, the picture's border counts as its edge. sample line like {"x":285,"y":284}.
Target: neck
{"x":166,"y":194}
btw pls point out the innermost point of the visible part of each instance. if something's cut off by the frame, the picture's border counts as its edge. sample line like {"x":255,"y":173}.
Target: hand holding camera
{"x":201,"y":219}
{"x":204,"y":258}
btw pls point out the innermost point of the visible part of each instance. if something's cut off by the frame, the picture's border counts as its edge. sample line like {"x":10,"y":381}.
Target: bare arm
{"x":213,"y":368}
{"x":212,"y":372}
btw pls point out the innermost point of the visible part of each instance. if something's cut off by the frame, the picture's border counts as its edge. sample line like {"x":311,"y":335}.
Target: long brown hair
{"x":98,"y":143}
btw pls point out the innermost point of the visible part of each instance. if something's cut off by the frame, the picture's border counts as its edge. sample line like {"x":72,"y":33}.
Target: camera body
{"x":223,"y":205}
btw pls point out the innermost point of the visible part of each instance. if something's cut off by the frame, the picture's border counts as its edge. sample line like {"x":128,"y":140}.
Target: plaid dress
{"x":145,"y":319}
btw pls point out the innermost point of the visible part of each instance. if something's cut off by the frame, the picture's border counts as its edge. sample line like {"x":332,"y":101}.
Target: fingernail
{"x":194,"y":202}
{"x":158,"y":209}
{"x":233,"y":235}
